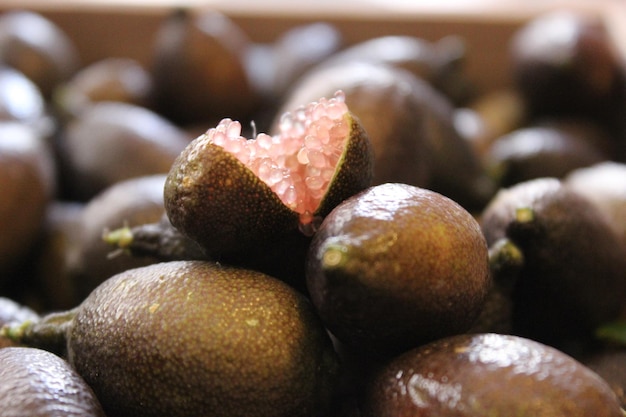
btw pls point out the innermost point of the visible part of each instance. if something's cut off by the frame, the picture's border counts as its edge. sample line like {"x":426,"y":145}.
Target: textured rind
{"x":414,"y":268}
{"x":488,"y":375}
{"x":355,"y":169}
{"x":217,"y":201}
{"x":193,"y":338}
{"x":214,"y":199}
{"x":37,"y":383}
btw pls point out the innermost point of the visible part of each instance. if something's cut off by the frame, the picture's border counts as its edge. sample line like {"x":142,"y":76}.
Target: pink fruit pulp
{"x":299,"y":163}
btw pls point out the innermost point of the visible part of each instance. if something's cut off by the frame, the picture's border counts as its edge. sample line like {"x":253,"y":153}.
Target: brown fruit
{"x":37,"y":383}
{"x":410,"y":124}
{"x":440,"y":63}
{"x":59,"y":252}
{"x":21,"y":101}
{"x":27,"y":181}
{"x":387,"y":102}
{"x":396,"y":266}
{"x":572,"y":277}
{"x":545,"y":150}
{"x":109,"y":79}
{"x":239,"y":197}
{"x":604,"y":184}
{"x":610,"y":364}
{"x":129,"y":203}
{"x":298,"y":49}
{"x":198,"y":68}
{"x":37,"y":47}
{"x":114,"y":141}
{"x":565,"y":63}
{"x":193,"y":338}
{"x":484,"y":375}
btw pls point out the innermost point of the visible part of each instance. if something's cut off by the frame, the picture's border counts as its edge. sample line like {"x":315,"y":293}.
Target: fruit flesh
{"x":299,"y":162}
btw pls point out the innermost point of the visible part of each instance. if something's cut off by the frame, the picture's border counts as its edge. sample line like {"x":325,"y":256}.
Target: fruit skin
{"x":11,"y":311}
{"x":129,"y":202}
{"x":396,"y":266}
{"x":115,"y":141}
{"x":217,"y":201}
{"x":565,"y":63}
{"x":37,"y":383}
{"x":108,"y":79}
{"x":27,"y":182}
{"x":544,"y":150}
{"x":482,"y":375}
{"x":572,"y":278}
{"x":198,"y":68}
{"x":37,"y":47}
{"x":604,"y":185}
{"x":194,"y":338}
{"x":410,"y":125}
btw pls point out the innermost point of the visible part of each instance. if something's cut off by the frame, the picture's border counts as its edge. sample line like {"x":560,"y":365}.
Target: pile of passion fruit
{"x":310,"y":228}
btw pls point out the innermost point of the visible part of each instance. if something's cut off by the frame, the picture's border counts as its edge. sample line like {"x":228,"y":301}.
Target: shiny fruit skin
{"x":193,"y":338}
{"x":572,"y":278}
{"x":37,"y":383}
{"x":396,"y":266}
{"x":27,"y":182}
{"x":483,"y":375}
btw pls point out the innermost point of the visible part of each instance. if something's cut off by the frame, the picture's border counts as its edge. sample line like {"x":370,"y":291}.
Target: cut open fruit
{"x":231,"y":194}
{"x":299,"y":163}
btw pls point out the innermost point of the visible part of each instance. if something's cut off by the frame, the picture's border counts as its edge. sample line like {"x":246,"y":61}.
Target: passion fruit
{"x":233,"y":195}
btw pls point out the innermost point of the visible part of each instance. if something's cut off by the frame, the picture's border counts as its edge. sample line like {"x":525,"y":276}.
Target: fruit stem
{"x":613,"y":332}
{"x":49,"y":332}
{"x":505,"y":262}
{"x":160,"y":240}
{"x":524,"y":214}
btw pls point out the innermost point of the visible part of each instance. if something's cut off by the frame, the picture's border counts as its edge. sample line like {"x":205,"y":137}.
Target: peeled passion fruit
{"x":236,"y":196}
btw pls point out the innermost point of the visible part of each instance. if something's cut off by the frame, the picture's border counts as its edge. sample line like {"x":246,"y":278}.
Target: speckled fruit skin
{"x":217,"y":201}
{"x":37,"y":383}
{"x":396,"y":266}
{"x":486,"y":375}
{"x":193,"y":338}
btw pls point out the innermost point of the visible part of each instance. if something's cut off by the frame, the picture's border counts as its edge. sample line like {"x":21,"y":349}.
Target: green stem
{"x":506,"y":260}
{"x":159,"y":240}
{"x":49,"y":333}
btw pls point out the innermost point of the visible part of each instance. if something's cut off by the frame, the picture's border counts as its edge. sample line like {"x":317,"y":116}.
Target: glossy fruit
{"x":572,"y":278}
{"x":114,"y":141}
{"x":108,"y":79}
{"x":566,"y":63}
{"x":544,"y":150}
{"x":37,"y":47}
{"x":198,"y":68}
{"x":37,"y":383}
{"x":234,"y":196}
{"x":396,"y":266}
{"x":441,"y":63}
{"x":485,"y":375}
{"x":128,"y":203}
{"x":410,"y":124}
{"x":194,"y":338}
{"x":604,"y":184}
{"x":21,"y":101}
{"x":27,"y":182}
